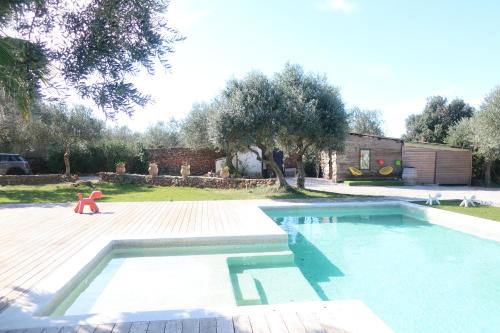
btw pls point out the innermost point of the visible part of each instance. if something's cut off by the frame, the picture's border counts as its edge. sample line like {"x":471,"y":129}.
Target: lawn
{"x":127,"y":192}
{"x":486,"y":212}
{"x":378,"y":182}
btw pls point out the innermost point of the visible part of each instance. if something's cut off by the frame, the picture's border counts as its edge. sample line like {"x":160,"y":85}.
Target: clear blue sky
{"x":386,"y":55}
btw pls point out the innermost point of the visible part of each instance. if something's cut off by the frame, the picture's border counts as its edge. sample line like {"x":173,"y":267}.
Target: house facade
{"x":368,"y":153}
{"x":433,"y":163}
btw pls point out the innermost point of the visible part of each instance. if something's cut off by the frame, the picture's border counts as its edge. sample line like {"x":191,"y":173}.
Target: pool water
{"x":416,"y":276}
{"x":154,"y":279}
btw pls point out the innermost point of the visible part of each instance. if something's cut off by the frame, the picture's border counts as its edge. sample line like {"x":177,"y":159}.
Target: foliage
{"x":436,"y":119}
{"x":194,"y":131}
{"x":162,"y":135}
{"x":95,"y":45}
{"x":311,"y":115}
{"x":246,"y":117}
{"x":365,"y":121}
{"x":486,"y":127}
{"x":482,"y":134}
{"x":23,"y":65}
{"x":42,"y":139}
{"x":461,"y":134}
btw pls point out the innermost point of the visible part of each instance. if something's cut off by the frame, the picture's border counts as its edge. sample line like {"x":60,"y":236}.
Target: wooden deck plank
{"x":104,"y":328}
{"x":157,"y":326}
{"x":122,"y":328}
{"x":208,"y":325}
{"x":52,"y":330}
{"x":275,"y":322}
{"x":225,"y":325}
{"x":34,"y":330}
{"x":86,"y":328}
{"x":259,"y":323}
{"x":311,"y":323}
{"x":293,"y":322}
{"x":242,"y":324}
{"x":190,"y":325}
{"x":173,"y":326}
{"x":139,"y":327}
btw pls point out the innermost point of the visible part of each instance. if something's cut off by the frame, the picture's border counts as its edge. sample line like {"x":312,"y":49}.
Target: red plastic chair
{"x":82,"y":202}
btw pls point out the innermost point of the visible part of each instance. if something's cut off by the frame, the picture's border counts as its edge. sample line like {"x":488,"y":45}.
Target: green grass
{"x":486,"y":212}
{"x":374,"y":182}
{"x":127,"y":192}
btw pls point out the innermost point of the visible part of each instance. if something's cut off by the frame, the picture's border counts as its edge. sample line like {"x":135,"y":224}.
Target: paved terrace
{"x":407,"y":193}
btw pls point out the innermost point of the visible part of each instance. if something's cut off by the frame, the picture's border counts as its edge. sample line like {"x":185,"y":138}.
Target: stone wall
{"x":170,"y":160}
{"x":31,"y":179}
{"x":191,"y":181}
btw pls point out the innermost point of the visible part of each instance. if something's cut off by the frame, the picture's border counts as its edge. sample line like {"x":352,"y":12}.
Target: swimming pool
{"x":416,"y":276}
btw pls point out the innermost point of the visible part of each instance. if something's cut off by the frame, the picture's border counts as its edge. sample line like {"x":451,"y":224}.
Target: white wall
{"x":245,"y":162}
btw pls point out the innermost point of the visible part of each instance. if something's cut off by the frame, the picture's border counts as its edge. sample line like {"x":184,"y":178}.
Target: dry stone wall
{"x":191,"y":181}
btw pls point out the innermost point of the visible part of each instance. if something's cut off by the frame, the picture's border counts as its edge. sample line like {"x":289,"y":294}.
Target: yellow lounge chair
{"x":355,"y":171}
{"x":386,"y":171}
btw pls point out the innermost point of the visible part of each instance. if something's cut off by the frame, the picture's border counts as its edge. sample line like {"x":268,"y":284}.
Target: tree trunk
{"x":301,"y":172}
{"x":67,"y":164}
{"x":229,"y":163}
{"x":270,"y":162}
{"x":330,"y":164}
{"x":317,"y":163}
{"x":487,"y":172}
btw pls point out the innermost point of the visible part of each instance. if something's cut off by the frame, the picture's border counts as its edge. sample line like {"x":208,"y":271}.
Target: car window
{"x":14,"y":158}
{"x":3,"y":158}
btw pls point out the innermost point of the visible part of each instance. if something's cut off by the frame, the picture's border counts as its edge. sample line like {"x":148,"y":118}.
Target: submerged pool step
{"x":248,"y":288}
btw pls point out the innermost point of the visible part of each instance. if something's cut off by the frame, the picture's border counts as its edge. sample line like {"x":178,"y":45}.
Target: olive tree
{"x":194,"y":130}
{"x":365,"y":121}
{"x":481,"y":132}
{"x":486,"y":131}
{"x":95,"y":46}
{"x":162,"y":134}
{"x":71,"y":127}
{"x":311,"y":115}
{"x":247,"y":116}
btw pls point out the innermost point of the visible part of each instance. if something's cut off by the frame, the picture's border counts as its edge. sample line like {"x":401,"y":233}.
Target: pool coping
{"x":22,"y":313}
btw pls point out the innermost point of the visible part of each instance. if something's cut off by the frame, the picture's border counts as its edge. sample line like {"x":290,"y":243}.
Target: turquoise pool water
{"x":416,"y":276}
{"x":161,"y":278}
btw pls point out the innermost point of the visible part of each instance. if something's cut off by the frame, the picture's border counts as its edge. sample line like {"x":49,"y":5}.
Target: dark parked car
{"x":13,"y":164}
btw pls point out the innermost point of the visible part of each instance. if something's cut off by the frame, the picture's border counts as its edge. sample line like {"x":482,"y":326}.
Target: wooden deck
{"x":36,"y":239}
{"x":325,"y":320}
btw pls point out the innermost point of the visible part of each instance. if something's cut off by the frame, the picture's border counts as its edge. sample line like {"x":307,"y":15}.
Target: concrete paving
{"x":486,"y":195}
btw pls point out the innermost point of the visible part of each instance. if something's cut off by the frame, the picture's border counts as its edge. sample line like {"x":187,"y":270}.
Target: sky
{"x":385,"y":55}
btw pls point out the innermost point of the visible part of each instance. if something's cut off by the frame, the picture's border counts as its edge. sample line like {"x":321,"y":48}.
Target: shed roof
{"x":376,"y":136}
{"x":434,"y":146}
